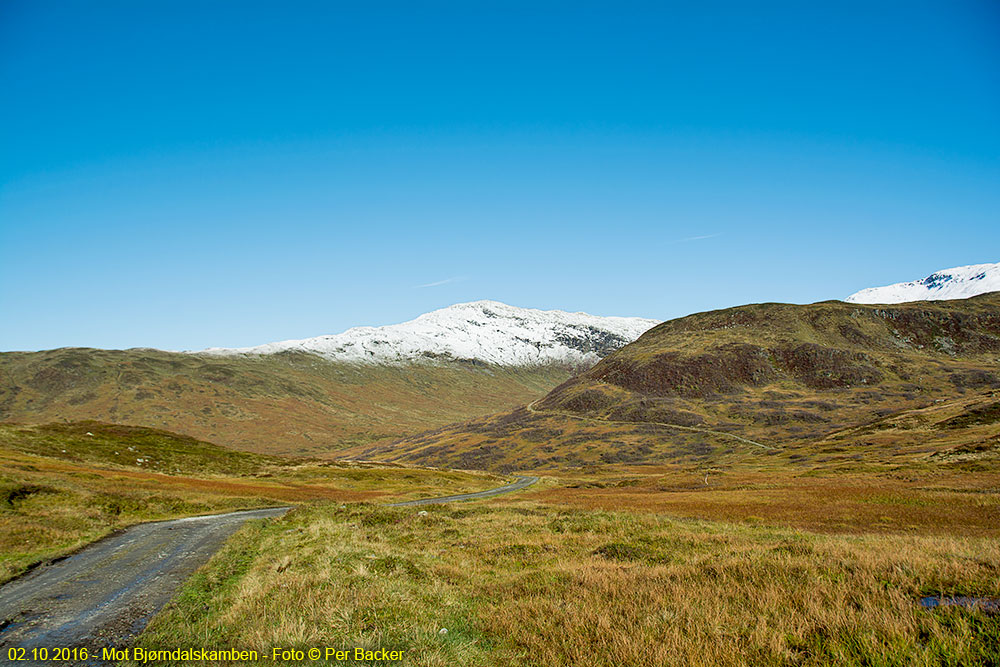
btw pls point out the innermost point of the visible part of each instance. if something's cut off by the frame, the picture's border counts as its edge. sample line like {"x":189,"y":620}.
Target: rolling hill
{"x":765,"y":380}
{"x":321,"y":395}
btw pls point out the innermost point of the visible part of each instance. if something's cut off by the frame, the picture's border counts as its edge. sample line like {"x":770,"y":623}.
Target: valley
{"x":499,"y":334}
{"x":319,"y":396}
{"x":765,"y":484}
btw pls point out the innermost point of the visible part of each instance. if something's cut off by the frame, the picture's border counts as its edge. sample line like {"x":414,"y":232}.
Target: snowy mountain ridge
{"x":485,"y":331}
{"x":960,"y":282}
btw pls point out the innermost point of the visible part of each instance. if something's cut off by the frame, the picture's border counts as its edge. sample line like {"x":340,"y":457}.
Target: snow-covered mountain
{"x":961,"y":282}
{"x":486,"y":331}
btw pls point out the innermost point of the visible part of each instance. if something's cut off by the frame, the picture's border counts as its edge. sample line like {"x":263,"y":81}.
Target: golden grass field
{"x":522,"y":582}
{"x":747,"y":558}
{"x":948,"y":504}
{"x":727,"y":554}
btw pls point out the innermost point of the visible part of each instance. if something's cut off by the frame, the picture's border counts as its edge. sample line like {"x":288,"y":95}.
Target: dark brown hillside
{"x":785,"y":371}
{"x":778,"y":376}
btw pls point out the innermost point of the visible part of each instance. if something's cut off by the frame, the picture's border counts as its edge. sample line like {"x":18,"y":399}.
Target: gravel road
{"x":517,"y":485}
{"x":103,"y":595}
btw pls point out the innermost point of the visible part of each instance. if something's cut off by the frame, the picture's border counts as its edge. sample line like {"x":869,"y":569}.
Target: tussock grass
{"x":936,"y":500}
{"x":529,"y":584}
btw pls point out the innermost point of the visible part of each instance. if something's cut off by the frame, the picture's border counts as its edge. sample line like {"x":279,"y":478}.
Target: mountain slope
{"x":960,"y":282}
{"x":485,"y":331}
{"x":307,"y":398}
{"x":776,"y":375}
{"x":288,"y":403}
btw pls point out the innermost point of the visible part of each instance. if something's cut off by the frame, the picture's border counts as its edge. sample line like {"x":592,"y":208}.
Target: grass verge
{"x":522,"y":583}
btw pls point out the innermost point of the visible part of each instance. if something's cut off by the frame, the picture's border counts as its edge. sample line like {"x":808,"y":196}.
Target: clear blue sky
{"x":185,"y":174}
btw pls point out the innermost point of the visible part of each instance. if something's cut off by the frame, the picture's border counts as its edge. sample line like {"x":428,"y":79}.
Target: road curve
{"x":105,"y":594}
{"x":517,"y":485}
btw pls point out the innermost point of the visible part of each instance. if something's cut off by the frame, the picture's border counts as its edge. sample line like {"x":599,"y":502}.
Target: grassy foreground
{"x":523,"y":583}
{"x":65,"y":485}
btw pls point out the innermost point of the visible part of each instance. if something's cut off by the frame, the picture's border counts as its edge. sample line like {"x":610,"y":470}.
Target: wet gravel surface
{"x":103,"y":595}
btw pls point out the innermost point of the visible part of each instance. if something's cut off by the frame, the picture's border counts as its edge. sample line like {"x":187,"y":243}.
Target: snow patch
{"x":484,"y":331}
{"x":960,"y":282}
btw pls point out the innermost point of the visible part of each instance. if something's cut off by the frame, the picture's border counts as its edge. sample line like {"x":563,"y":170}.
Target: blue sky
{"x":187,"y":174}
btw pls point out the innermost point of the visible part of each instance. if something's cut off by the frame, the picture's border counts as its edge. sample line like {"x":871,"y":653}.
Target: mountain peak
{"x":486,"y":331}
{"x":960,"y":282}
